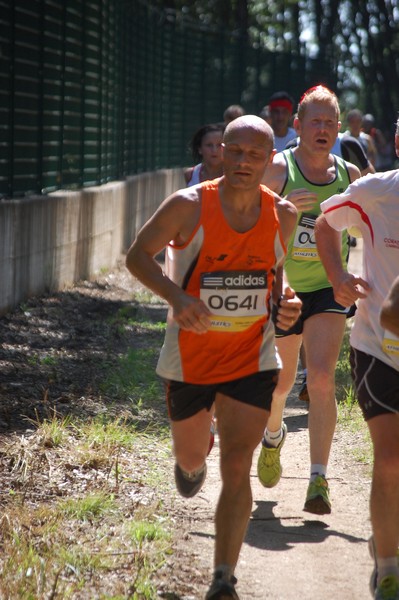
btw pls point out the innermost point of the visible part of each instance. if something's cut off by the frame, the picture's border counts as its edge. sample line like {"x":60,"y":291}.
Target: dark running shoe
{"x":222,"y":589}
{"x":189,"y":484}
{"x":303,"y":392}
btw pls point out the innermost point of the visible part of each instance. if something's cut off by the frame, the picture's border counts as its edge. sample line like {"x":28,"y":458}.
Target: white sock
{"x":316,"y":470}
{"x":273,"y":438}
{"x":387,"y":566}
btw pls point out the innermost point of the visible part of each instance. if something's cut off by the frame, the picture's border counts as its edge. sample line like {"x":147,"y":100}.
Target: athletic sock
{"x":387,"y":566}
{"x":273,"y":438}
{"x":316,"y":470}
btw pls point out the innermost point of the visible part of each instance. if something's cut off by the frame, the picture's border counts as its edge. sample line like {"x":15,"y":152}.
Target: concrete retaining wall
{"x":49,"y":242}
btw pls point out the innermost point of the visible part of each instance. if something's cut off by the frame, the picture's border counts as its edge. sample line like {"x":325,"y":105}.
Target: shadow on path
{"x":268,"y":532}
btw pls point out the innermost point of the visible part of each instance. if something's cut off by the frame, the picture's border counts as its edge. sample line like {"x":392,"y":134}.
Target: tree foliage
{"x":358,"y":39}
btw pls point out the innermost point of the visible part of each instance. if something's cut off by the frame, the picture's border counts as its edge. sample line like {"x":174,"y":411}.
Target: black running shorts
{"x":376,"y":383}
{"x":186,"y":399}
{"x":313,"y":303}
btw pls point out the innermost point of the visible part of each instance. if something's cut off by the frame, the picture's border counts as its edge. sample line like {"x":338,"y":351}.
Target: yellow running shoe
{"x":317,"y":498}
{"x":269,"y":465}
{"x":388,"y":588}
{"x":374,"y":574}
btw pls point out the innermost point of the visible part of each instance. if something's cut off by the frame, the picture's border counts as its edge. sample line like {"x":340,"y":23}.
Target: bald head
{"x":250,"y":124}
{"x":247,"y":150}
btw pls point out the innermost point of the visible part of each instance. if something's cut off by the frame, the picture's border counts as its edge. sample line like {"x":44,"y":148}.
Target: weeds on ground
{"x":80,"y":518}
{"x":83,"y":516}
{"x":82,"y":512}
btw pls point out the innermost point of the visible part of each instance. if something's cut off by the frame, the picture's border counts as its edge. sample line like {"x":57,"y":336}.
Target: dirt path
{"x":289,"y":553}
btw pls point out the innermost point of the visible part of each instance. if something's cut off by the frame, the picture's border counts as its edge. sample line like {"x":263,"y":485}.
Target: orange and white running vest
{"x":233,"y":273}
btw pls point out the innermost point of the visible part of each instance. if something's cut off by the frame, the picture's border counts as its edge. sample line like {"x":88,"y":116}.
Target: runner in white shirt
{"x":371,"y":204}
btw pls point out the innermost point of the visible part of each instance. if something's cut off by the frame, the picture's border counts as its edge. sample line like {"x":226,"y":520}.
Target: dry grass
{"x":80,"y":518}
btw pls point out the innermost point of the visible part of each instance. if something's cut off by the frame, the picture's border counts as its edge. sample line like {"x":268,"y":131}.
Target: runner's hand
{"x":302,"y":199}
{"x":347,"y":289}
{"x":289,"y":309}
{"x":191,"y":314}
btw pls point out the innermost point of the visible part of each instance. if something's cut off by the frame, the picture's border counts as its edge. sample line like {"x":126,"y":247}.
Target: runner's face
{"x":318,"y":128}
{"x":245,"y":157}
{"x":211,"y":148}
{"x":280,"y":118}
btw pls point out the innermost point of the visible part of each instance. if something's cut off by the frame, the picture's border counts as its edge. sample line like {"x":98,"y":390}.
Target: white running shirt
{"x":281,"y":142}
{"x":371,"y":204}
{"x":195,"y":175}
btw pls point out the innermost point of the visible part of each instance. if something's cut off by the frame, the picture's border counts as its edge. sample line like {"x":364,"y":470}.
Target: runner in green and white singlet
{"x":307,"y":175}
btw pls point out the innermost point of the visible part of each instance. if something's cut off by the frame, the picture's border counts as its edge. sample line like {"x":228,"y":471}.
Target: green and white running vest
{"x":304,"y":270}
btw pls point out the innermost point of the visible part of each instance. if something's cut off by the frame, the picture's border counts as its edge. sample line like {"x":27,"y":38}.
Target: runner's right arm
{"x":174,"y":221}
{"x":345,"y":285}
{"x":289,"y":305}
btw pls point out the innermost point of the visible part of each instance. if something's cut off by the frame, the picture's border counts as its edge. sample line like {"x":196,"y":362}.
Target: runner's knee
{"x":235,"y":466}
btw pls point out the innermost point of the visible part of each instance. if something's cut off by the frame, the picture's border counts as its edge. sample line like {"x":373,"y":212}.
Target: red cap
{"x":281,"y":103}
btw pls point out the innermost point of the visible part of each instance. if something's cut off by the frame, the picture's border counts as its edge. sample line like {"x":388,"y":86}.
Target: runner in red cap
{"x":281,"y":106}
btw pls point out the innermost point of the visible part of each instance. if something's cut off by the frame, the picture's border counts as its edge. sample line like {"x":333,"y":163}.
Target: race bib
{"x":236,"y":299}
{"x":390,"y":343}
{"x":304,"y":245}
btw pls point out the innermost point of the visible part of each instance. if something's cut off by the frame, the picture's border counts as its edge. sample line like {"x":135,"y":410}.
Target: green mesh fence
{"x":95,"y":90}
